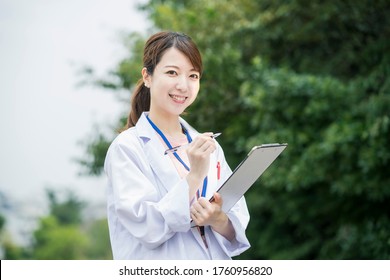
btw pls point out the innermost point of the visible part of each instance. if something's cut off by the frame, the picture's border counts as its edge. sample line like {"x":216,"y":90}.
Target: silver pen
{"x":175,"y":149}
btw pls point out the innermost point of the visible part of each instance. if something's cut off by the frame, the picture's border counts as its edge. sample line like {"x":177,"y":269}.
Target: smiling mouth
{"x":178,"y":98}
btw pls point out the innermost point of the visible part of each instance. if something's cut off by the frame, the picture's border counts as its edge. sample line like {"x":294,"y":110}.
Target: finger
{"x":202,"y":138}
{"x":195,"y":219}
{"x":197,"y":216}
{"x":195,"y":145}
{"x":206,"y":208}
{"x":194,"y":213}
{"x":197,"y":208}
{"x":208,"y":145}
{"x":211,"y":148}
{"x":203,"y":202}
{"x":218,"y":199}
{"x":202,"y":147}
{"x":192,"y":209}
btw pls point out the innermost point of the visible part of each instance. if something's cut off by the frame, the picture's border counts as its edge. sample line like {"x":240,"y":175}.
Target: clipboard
{"x":247,"y":172}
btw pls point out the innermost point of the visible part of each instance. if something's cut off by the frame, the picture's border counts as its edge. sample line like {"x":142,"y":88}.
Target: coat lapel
{"x":162,"y":166}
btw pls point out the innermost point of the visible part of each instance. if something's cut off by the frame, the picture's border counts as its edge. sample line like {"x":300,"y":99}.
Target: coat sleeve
{"x":149,"y":216}
{"x":238,"y":215}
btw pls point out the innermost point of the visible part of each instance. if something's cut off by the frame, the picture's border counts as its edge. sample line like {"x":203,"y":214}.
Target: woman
{"x":155,"y":199}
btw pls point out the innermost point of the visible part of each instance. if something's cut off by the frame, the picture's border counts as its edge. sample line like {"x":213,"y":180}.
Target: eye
{"x":194,"y":76}
{"x":172,"y":72}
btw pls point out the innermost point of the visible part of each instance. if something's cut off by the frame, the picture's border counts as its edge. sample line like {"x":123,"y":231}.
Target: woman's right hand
{"x":198,"y":153}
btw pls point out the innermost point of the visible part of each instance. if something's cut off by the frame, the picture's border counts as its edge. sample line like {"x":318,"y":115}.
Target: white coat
{"x":148,"y":202}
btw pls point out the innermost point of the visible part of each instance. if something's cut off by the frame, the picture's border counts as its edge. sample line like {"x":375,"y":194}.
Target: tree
{"x":67,"y":212}
{"x":327,"y":193}
{"x":63,"y":233}
{"x":54,"y":241}
{"x":315,"y":75}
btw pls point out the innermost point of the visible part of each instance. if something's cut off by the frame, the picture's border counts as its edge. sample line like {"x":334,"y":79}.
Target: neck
{"x":168,"y":125}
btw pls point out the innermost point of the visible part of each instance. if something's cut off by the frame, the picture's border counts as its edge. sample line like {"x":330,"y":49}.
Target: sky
{"x":44,"y":114}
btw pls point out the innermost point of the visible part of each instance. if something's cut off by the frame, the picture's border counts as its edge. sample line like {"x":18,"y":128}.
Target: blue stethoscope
{"x":175,"y":154}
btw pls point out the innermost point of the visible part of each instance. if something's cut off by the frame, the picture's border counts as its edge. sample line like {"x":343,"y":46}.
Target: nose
{"x":182,"y":84}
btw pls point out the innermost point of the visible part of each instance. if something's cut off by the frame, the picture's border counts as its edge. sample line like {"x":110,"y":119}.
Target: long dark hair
{"x":154,"y":49}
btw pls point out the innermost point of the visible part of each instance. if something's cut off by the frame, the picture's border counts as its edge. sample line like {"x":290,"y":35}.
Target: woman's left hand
{"x":204,"y":212}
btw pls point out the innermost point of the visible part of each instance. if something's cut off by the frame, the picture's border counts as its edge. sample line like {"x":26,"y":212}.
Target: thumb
{"x":218,"y":199}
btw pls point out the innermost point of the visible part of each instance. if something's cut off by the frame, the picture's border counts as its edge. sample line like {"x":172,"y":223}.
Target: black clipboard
{"x":247,"y":172}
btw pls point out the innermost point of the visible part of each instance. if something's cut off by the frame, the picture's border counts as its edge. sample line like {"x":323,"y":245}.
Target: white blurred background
{"x":43,"y":113}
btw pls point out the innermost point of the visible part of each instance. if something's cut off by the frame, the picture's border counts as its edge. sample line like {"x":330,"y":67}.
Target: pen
{"x":201,"y":229}
{"x":175,"y":149}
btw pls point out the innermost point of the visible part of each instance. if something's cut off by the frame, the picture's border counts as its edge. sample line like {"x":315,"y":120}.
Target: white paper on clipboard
{"x":247,"y":172}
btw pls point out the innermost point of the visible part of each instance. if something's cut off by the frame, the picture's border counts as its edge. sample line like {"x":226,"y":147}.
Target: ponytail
{"x":140,"y":102}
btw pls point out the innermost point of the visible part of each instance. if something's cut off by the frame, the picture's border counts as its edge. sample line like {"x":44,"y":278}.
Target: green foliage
{"x":54,"y":241}
{"x":96,"y":153}
{"x":329,"y":188}
{"x":312,"y":74}
{"x":2,"y":222}
{"x":99,"y":246}
{"x":67,"y":212}
{"x":12,"y":251}
{"x":63,"y":234}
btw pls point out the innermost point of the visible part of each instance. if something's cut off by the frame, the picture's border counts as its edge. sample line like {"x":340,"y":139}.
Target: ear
{"x":146,"y":77}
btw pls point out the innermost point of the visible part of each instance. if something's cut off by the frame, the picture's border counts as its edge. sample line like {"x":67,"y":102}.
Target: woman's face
{"x":173,"y":85}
